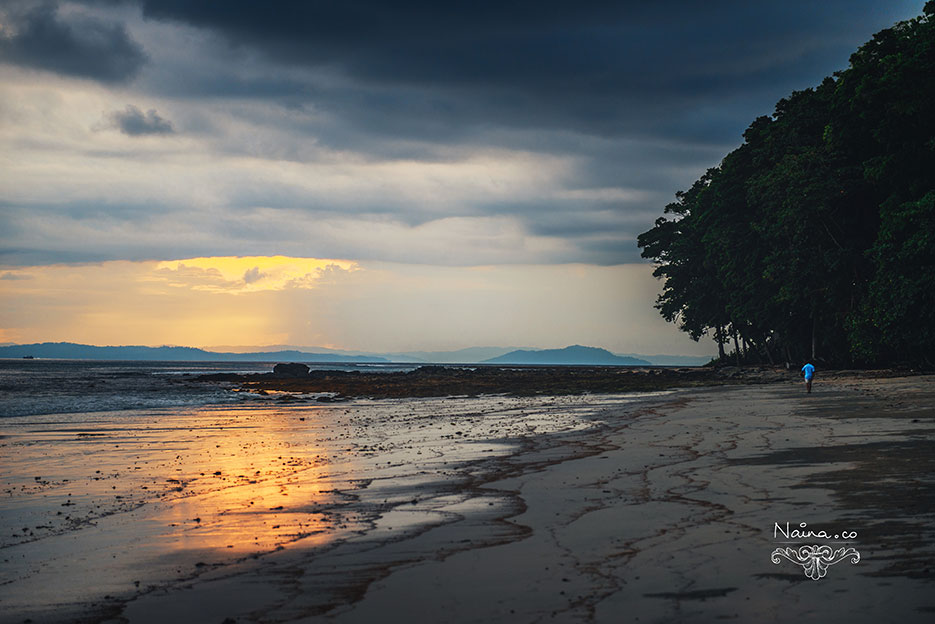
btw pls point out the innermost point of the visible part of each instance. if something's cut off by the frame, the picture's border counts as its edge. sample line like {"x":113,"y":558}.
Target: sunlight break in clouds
{"x":195,"y":301}
{"x":243,"y":274}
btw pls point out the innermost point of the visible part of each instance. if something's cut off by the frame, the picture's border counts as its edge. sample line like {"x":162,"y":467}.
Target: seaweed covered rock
{"x":292,"y":369}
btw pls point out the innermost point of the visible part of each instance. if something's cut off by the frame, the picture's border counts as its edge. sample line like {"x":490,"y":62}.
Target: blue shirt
{"x":809,"y":371}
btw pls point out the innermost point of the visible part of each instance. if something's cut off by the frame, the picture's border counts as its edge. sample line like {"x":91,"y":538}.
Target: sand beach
{"x":661,"y":506}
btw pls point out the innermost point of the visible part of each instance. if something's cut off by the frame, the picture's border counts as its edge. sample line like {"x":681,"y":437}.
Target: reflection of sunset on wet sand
{"x":114,"y":504}
{"x":252,"y":497}
{"x":144,"y":499}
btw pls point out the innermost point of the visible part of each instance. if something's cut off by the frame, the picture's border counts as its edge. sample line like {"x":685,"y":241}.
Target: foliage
{"x":816,"y":237}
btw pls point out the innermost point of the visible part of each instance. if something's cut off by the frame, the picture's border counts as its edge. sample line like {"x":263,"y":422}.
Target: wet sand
{"x":599,"y":508}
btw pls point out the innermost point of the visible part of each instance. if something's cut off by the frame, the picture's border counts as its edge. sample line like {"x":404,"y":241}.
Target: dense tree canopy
{"x":816,"y":237}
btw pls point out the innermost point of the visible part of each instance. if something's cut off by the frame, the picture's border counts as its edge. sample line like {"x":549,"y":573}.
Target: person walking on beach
{"x":809,"y":371}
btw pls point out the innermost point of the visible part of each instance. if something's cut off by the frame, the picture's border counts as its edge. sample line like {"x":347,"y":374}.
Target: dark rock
{"x":326,"y":398}
{"x":289,"y":398}
{"x":292,"y":369}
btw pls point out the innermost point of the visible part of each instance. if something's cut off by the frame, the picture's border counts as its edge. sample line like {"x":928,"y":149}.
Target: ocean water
{"x":36,"y":387}
{"x":108,"y":505}
{"x":122,"y":477}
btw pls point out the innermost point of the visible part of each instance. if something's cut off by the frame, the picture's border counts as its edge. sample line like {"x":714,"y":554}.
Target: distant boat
{"x":29,"y":357}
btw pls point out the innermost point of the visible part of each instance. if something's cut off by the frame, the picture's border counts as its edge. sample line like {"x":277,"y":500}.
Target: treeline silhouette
{"x":815,"y":239}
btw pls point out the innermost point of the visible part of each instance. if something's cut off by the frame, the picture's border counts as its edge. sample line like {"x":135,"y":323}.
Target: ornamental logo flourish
{"x":815,"y":559}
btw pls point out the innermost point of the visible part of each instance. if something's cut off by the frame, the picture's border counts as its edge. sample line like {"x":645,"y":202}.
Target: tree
{"x":816,"y":234}
{"x":897,"y":320}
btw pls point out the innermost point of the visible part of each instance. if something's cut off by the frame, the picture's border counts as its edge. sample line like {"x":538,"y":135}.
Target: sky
{"x":379,"y":176}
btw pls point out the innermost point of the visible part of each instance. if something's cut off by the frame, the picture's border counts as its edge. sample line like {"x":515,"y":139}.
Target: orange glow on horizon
{"x":197,"y":302}
{"x":251,"y":301}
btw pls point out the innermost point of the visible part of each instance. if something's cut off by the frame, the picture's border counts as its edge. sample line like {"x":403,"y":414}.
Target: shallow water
{"x":31,"y":387}
{"x":115,"y":503}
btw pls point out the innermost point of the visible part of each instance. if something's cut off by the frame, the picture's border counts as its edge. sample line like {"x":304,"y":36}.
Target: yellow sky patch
{"x":243,"y":274}
{"x":193,"y":301}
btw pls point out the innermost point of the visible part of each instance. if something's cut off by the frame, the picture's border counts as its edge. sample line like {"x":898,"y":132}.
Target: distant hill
{"x":72,"y":351}
{"x":459,"y":356}
{"x":671,"y":360}
{"x":575,"y":354}
{"x":289,"y":353}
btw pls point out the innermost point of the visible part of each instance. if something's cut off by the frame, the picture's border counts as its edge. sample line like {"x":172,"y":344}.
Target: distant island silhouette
{"x":575,"y":354}
{"x":72,"y":351}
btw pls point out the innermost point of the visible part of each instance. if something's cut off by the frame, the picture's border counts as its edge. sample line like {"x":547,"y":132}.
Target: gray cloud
{"x":41,"y":38}
{"x":12,"y":277}
{"x":429,"y":68}
{"x":134,"y":122}
{"x":627,"y":96}
{"x":596,"y":232}
{"x":253,"y":275}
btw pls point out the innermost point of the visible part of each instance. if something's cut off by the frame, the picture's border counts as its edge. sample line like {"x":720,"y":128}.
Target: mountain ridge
{"x":574,"y":354}
{"x":469,"y":355}
{"x":71,"y":350}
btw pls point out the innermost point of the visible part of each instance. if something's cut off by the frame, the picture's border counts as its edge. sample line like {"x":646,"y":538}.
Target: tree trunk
{"x":756,"y":350}
{"x":736,"y":348}
{"x":814,"y":323}
{"x":769,"y":354}
{"x":719,"y":336}
{"x":746,"y":348}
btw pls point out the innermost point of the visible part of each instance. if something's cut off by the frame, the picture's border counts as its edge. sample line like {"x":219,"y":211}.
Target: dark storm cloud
{"x":594,"y":66}
{"x":40,"y":37}
{"x":134,"y":122}
{"x":625,"y":102}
